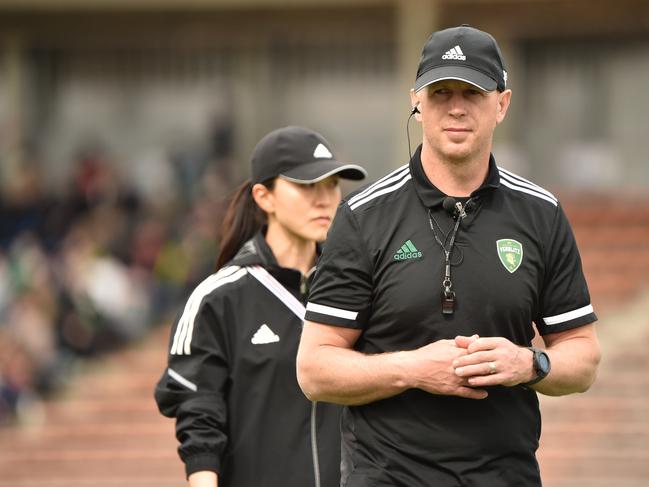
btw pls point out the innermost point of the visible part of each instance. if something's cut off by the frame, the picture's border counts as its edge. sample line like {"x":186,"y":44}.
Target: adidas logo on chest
{"x":407,"y":251}
{"x":264,"y":335}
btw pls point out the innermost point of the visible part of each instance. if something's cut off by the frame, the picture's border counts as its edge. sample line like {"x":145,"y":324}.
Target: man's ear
{"x":503,"y":104}
{"x":264,"y":198}
{"x":415,"y":103}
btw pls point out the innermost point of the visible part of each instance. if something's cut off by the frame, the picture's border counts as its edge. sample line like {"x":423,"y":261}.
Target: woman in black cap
{"x":241,"y":418}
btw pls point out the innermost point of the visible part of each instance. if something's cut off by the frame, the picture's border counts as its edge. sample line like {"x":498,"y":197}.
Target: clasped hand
{"x":492,"y":361}
{"x":466,"y":365}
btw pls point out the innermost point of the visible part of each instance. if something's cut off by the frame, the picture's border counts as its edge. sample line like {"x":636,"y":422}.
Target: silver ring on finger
{"x":492,"y":367}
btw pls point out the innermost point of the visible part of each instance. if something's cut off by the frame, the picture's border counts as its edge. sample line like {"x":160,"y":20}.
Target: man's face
{"x":458,"y":119}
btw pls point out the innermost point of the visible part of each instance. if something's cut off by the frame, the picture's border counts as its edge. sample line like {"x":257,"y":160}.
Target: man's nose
{"x":457,"y":104}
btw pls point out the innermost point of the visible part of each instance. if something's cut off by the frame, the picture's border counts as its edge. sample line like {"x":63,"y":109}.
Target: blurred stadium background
{"x":125,"y":124}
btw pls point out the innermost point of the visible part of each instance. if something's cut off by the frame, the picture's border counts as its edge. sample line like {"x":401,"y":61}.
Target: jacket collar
{"x":256,"y":251}
{"x":431,"y":196}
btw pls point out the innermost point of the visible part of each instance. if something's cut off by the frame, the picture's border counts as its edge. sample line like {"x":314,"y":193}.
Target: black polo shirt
{"x":515,"y":262}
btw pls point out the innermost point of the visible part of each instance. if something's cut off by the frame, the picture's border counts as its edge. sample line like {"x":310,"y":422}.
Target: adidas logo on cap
{"x":443,"y":58}
{"x":455,"y":53}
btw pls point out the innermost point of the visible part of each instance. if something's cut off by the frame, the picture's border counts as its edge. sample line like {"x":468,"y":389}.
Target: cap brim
{"x":322,"y":169}
{"x":460,"y":73}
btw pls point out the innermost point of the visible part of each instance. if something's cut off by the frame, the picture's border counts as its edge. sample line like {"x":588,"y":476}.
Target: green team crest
{"x":510,"y":253}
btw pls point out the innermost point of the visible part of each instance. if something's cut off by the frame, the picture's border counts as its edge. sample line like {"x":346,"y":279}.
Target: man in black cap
{"x":429,"y":290}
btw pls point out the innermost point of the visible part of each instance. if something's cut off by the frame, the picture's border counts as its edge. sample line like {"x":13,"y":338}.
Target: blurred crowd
{"x":91,"y":268}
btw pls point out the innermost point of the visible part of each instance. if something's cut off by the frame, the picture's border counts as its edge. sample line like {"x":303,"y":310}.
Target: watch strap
{"x":539,"y":376}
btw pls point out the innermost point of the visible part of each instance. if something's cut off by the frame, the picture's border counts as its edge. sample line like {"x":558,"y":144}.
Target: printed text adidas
{"x":407,"y":251}
{"x":454,"y":53}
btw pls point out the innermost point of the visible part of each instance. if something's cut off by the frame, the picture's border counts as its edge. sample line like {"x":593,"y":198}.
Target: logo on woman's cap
{"x":321,"y":152}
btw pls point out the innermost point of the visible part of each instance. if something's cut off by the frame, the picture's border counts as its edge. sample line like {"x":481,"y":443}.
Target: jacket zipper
{"x":304,"y":283}
{"x":304,"y":286}
{"x":314,"y":444}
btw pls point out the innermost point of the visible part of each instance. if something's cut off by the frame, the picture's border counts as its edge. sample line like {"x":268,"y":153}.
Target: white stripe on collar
{"x":275,"y":287}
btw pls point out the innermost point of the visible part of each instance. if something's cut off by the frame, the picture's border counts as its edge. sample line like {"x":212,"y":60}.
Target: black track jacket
{"x":231,"y":383}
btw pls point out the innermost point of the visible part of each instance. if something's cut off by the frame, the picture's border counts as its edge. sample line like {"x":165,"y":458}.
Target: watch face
{"x":543,"y":363}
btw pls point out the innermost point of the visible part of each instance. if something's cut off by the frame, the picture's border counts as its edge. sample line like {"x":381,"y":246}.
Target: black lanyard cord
{"x":448,"y":295}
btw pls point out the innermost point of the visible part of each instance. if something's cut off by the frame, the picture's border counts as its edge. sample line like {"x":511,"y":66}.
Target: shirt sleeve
{"x":342,"y":287}
{"x":565,"y":300}
{"x":192,"y":388}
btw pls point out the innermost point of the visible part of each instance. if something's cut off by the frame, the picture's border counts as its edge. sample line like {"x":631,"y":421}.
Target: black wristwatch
{"x":541,"y":363}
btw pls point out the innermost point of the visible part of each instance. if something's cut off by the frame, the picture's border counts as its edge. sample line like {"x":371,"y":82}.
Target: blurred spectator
{"x":24,"y":204}
{"x":94,"y":268}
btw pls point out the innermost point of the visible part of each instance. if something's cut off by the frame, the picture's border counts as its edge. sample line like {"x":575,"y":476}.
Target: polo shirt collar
{"x":431,"y":196}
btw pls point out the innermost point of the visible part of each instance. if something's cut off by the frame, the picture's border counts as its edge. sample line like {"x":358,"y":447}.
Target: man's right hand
{"x":431,"y":370}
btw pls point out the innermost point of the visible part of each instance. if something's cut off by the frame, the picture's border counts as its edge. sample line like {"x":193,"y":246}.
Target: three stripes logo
{"x":454,"y":53}
{"x":407,"y":251}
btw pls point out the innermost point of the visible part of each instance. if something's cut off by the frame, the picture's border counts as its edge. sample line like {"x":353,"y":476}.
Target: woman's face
{"x":304,"y":211}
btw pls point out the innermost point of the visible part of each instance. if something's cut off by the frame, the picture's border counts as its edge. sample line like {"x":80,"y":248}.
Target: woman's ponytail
{"x":243,"y":219}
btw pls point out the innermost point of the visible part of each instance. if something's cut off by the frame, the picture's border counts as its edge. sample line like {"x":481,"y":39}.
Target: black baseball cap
{"x":462,"y":53}
{"x":300,"y":155}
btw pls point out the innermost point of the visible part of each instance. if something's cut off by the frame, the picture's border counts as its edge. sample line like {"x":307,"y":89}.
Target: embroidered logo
{"x":321,"y":152}
{"x":264,"y":335}
{"x":407,"y":251}
{"x":454,"y":53}
{"x":510,"y":253}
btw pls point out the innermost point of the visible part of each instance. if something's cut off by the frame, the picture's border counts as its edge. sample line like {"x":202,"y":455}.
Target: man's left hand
{"x":493,"y":361}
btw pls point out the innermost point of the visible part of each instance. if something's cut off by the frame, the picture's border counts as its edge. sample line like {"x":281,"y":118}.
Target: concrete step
{"x":80,"y":410}
{"x":631,"y":236}
{"x":597,"y":211}
{"x":603,"y":463}
{"x":115,"y":434}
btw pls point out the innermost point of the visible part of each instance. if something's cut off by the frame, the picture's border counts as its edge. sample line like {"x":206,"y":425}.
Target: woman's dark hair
{"x":243,"y":219}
